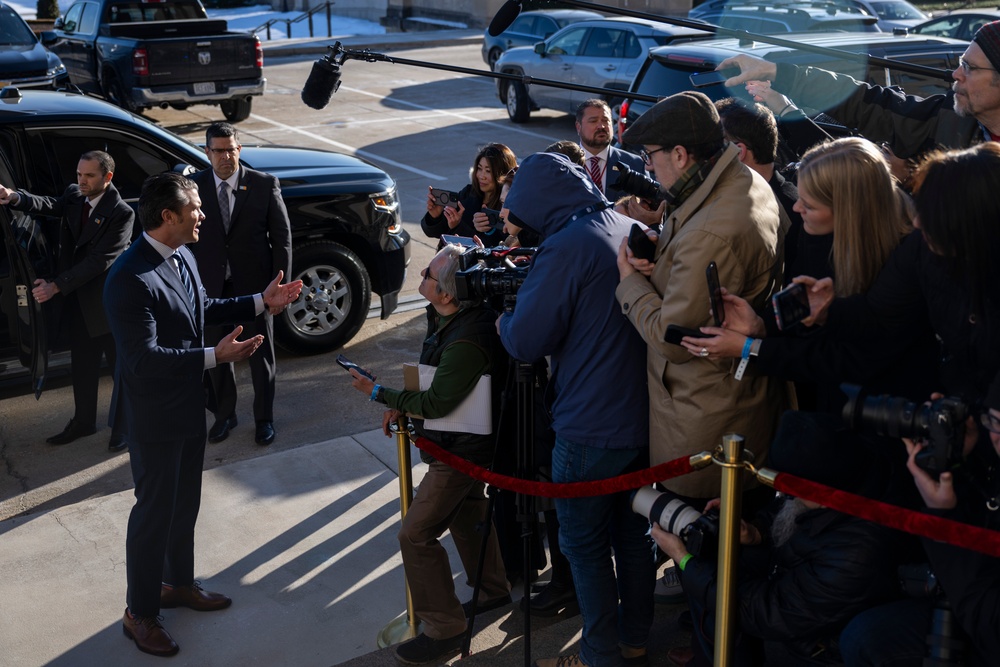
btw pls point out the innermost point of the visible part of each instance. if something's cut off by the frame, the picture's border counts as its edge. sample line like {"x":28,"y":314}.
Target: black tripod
{"x":524,"y":377}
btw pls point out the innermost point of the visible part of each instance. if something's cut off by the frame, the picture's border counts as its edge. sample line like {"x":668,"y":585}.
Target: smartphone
{"x":675,"y":332}
{"x":445,"y":197}
{"x":347,"y":365}
{"x":493,"y":215}
{"x":715,"y":294}
{"x":460,"y":240}
{"x":714,"y":77}
{"x":791,"y":306}
{"x":640,"y":244}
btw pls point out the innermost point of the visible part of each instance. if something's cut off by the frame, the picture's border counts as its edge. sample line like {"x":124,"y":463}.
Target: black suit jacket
{"x":617,"y":156}
{"x":85,"y":255}
{"x":158,"y":393}
{"x":259,"y":242}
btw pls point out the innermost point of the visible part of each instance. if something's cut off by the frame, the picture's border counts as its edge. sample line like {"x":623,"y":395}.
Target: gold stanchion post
{"x":729,"y":539}
{"x":405,"y":626}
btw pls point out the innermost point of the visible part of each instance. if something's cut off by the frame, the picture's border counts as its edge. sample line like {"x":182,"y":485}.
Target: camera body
{"x":700,"y":532}
{"x":638,"y":184}
{"x":939,"y":423}
{"x":486,"y":272}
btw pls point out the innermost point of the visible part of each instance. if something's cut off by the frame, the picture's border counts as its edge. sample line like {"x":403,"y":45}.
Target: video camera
{"x":700,"y":532}
{"x":489,"y":272}
{"x":638,"y":184}
{"x":939,"y":423}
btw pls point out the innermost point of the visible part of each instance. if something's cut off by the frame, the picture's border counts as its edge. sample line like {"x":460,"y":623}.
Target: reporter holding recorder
{"x":463,"y":345}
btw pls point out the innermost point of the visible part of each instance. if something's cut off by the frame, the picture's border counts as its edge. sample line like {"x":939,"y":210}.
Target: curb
{"x":397,"y":40}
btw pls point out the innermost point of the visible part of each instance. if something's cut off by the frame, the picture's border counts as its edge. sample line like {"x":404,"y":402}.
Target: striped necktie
{"x":596,"y":173}
{"x":224,"y":204}
{"x":185,"y":278}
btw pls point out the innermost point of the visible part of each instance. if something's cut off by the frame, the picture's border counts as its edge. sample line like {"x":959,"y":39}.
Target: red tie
{"x":84,"y":216}
{"x":596,"y":173}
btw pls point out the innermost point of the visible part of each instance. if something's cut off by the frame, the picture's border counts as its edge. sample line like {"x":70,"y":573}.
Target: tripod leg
{"x":487,"y":526}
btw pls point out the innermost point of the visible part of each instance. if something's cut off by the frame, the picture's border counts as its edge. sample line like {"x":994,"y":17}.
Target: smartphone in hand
{"x":347,"y":365}
{"x":640,"y":244}
{"x":714,"y":77}
{"x":445,"y":197}
{"x":715,"y":294}
{"x":675,"y":332}
{"x":791,"y":306}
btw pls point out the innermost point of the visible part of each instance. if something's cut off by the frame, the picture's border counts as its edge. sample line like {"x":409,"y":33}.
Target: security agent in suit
{"x":157,"y":309}
{"x":593,"y":125}
{"x":237,"y":258}
{"x":95,"y":229}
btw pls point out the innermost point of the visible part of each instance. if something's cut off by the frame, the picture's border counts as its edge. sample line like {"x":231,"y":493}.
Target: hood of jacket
{"x":548,"y":191}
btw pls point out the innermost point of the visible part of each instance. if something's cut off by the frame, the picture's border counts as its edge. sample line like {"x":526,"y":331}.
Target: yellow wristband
{"x":684,"y":561}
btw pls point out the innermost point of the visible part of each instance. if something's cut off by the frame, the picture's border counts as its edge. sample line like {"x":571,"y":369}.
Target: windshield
{"x":13,"y":30}
{"x":897,"y":11}
{"x":136,"y":12}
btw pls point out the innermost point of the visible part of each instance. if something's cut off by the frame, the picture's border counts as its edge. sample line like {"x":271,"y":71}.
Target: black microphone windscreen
{"x":508,"y":12}
{"x":323,"y":82}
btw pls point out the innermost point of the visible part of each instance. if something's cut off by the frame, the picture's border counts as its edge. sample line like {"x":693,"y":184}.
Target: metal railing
{"x":307,"y":16}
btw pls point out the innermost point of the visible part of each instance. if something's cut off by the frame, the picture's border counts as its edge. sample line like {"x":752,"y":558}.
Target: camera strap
{"x":594,"y":208}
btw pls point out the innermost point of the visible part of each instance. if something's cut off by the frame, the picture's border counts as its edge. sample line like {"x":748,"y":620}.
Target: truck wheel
{"x":114,"y":92}
{"x":236,"y":110}
{"x":336,"y":294}
{"x":518,"y":106}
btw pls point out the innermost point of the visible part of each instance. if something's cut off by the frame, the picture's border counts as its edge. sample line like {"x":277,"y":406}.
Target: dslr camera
{"x":490,"y":272}
{"x":700,"y":532}
{"x":939,"y":423}
{"x":638,"y":184}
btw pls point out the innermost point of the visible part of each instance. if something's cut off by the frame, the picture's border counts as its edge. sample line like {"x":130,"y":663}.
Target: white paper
{"x":473,"y":415}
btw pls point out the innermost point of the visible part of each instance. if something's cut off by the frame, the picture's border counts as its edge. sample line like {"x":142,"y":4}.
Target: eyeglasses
{"x":225,"y":151}
{"x":990,"y":422}
{"x":968,"y":69}
{"x":647,"y":156}
{"x":427,"y":274}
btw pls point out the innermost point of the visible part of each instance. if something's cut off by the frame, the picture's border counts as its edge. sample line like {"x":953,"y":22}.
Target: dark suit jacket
{"x":618,"y":156}
{"x":85,"y":256}
{"x":158,"y":393}
{"x":259,"y":242}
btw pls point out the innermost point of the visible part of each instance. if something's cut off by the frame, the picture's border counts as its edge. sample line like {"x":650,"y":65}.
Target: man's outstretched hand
{"x":278,"y":296}
{"x":229,"y":349}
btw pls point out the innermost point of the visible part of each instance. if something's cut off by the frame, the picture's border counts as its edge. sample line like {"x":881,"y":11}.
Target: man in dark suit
{"x":157,"y":309}
{"x":245,"y":240}
{"x":95,"y":229}
{"x":593,"y":125}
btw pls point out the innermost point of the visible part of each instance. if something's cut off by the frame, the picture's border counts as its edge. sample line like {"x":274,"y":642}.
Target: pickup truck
{"x":140,"y":54}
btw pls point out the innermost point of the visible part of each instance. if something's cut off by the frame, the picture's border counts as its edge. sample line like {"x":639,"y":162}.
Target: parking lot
{"x":420,"y":125}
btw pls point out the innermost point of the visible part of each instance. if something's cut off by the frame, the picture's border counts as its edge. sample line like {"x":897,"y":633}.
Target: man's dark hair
{"x":702,"y":152}
{"x":222,"y":131}
{"x":570,"y":149}
{"x":106,"y":162}
{"x":592,"y":102}
{"x":752,"y":125}
{"x":166,"y":191}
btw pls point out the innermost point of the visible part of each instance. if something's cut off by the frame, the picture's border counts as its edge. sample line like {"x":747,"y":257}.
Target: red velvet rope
{"x":600,"y":487}
{"x":917,"y":523}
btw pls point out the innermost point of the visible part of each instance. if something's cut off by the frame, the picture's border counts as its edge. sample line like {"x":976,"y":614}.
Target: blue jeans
{"x":615,"y":610}
{"x":891,"y":635}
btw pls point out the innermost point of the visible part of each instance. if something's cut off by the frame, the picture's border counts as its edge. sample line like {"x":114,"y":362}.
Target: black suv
{"x":24,"y":61}
{"x":347,"y":236}
{"x":667,"y":69}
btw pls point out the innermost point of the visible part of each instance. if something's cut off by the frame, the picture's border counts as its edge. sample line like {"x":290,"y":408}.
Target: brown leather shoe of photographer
{"x":148,"y":635}
{"x":192,"y":597}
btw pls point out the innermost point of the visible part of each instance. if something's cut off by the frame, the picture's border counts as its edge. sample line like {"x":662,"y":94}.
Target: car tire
{"x":518,"y":106}
{"x":237,"y":109}
{"x":492,"y":57}
{"x":114,"y":92}
{"x":336,"y":295}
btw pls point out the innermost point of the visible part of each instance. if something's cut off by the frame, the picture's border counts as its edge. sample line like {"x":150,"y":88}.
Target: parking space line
{"x":351,"y":149}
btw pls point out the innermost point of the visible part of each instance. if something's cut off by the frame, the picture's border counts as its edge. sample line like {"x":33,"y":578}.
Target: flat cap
{"x":684,"y":119}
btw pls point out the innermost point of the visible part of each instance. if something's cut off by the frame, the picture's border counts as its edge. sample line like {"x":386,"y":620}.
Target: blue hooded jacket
{"x":567,"y":309}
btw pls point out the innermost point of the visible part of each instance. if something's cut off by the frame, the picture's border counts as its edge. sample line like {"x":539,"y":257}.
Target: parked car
{"x":780,"y":17}
{"x":604,"y":53}
{"x":24,"y":62}
{"x":893,"y":14}
{"x":531,"y":27}
{"x":667,"y":69}
{"x":958,"y":24}
{"x":141,"y":54}
{"x":347,"y":237}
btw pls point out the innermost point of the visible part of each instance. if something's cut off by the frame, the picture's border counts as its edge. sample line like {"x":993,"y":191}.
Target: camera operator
{"x":719,"y":210}
{"x":968,"y":114}
{"x":894,"y":634}
{"x":462,"y":344}
{"x":566,"y":309}
{"x":806,"y":571}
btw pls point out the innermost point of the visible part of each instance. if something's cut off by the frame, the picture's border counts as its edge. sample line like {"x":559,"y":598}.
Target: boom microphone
{"x":508,"y":12}
{"x":323,"y":82}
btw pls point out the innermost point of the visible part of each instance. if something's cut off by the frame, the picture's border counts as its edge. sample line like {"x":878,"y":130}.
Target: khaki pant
{"x":447,"y":499}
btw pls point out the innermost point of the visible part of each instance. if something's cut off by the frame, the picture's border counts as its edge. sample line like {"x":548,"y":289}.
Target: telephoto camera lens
{"x":700,"y":532}
{"x":638,"y":184}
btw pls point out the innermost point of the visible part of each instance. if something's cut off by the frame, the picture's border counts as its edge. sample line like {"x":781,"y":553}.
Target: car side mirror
{"x":48,"y":36}
{"x":58,"y":25}
{"x":540,"y":49}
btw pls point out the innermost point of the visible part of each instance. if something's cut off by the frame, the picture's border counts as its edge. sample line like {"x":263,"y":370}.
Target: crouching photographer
{"x":805,"y":570}
{"x":463,"y":346}
{"x":956,"y":472}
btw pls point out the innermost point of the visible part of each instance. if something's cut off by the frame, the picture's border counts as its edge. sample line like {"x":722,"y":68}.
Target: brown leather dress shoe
{"x":148,"y":635}
{"x":192,"y":597}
